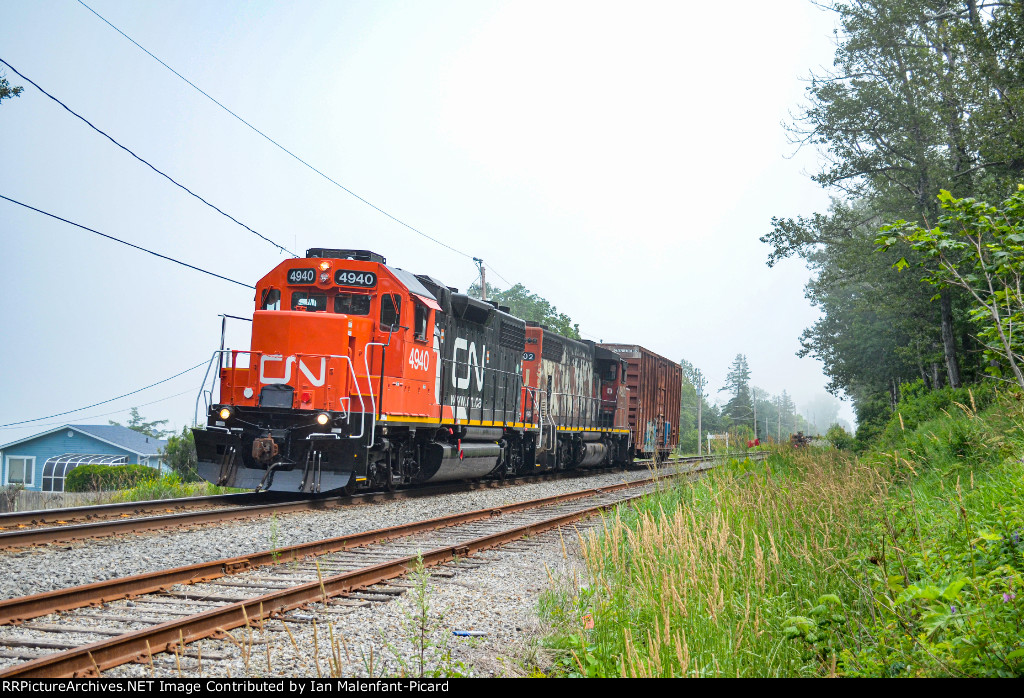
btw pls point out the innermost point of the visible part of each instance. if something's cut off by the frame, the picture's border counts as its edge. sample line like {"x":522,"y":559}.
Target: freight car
{"x":655,"y":384}
{"x":361,"y":375}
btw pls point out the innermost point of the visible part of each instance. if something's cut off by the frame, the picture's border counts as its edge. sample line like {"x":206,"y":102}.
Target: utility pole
{"x":699,"y":385}
{"x":483,"y":278}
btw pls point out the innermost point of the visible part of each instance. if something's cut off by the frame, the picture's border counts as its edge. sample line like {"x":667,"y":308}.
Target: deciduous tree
{"x":136,"y":422}
{"x":180,"y":455}
{"x":530,"y":306}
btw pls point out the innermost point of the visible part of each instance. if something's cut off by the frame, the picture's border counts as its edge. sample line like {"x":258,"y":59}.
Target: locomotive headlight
{"x":324,"y":266}
{"x":323,"y":418}
{"x":225,"y":414}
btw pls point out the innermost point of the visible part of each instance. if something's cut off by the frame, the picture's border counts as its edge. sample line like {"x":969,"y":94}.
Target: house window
{"x":20,"y":470}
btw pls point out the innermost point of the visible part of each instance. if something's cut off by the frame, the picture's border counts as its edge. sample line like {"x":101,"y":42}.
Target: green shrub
{"x":95,"y":478}
{"x":943,"y":579}
{"x":169,"y":486}
{"x":919,"y":404}
{"x":840,"y":438}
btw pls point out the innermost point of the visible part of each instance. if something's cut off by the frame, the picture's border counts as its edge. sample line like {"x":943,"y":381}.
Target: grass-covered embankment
{"x":904,"y":561}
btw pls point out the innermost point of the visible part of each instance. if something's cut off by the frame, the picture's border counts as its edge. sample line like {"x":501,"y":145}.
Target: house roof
{"x":113,"y":434}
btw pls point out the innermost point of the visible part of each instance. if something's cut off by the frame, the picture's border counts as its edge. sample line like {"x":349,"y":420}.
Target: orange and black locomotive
{"x":366,"y":376}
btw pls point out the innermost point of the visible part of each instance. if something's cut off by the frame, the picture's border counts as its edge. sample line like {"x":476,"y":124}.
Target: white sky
{"x":619,"y":159}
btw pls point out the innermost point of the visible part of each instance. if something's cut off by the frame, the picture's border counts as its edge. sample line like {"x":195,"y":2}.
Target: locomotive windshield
{"x":313,"y":302}
{"x":352,"y":304}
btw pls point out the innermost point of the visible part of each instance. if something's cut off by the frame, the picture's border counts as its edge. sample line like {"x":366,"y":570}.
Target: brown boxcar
{"x":654,"y":384}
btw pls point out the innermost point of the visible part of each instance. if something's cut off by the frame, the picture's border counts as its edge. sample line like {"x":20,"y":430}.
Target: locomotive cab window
{"x":352,"y":304}
{"x":609,"y":372}
{"x":310,"y":302}
{"x":421,"y":321}
{"x":390,"y":312}
{"x":271,"y":299}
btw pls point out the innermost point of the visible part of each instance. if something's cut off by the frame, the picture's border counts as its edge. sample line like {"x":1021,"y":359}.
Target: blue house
{"x":41,"y":462}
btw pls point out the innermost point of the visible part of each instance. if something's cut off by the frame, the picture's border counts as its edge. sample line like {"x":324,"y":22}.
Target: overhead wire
{"x":104,"y":402}
{"x":143,"y":161}
{"x":106,"y":414}
{"x":271,"y":140}
{"x":488,"y":265}
{"x":124,"y":242}
{"x":281,"y":147}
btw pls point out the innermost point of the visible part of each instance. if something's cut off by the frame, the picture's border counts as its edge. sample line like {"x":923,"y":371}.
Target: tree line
{"x":918,"y":124}
{"x":750,"y":412}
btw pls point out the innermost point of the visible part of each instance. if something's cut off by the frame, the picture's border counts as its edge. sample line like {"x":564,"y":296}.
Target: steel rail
{"x":34,"y":517}
{"x":98,"y":529}
{"x":91,"y":659}
{"x":20,"y":609}
{"x":67,"y":514}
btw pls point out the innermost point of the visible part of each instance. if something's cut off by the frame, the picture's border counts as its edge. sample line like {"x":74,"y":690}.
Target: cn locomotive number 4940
{"x":362,"y":376}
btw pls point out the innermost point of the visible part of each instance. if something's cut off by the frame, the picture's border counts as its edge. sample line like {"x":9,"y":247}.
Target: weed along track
{"x":21,"y":529}
{"x":84,"y":630}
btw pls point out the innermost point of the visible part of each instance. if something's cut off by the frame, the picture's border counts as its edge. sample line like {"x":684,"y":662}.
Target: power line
{"x":271,"y":140}
{"x":107,"y":414}
{"x":111,"y":237}
{"x":97,"y":404}
{"x":144,"y":162}
{"x":499,"y":275}
{"x":281,"y":147}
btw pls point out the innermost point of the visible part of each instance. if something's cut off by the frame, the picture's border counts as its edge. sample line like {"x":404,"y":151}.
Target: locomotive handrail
{"x":532,"y":392}
{"x":359,"y":392}
{"x":517,"y":377}
{"x":575,"y":419}
{"x":233,"y":365}
{"x":369,"y":384}
{"x":202,"y":388}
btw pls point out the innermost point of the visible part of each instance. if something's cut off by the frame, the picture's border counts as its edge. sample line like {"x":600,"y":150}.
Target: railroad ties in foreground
{"x":166,"y":612}
{"x":20,"y":529}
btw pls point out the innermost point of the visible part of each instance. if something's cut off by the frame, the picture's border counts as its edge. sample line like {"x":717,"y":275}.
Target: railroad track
{"x":142,"y":516}
{"x":180,"y":606}
{"x":14,"y":520}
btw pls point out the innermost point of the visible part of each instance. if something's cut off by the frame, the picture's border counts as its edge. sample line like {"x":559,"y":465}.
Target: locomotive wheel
{"x":349,"y":489}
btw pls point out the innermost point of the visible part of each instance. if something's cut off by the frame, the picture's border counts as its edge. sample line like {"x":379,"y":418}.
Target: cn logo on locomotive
{"x":273,"y":358}
{"x":472,"y":364}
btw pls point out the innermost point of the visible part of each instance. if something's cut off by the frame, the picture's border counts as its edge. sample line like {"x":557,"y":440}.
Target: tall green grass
{"x":904,"y":562}
{"x":700,"y":579}
{"x":943,"y":570}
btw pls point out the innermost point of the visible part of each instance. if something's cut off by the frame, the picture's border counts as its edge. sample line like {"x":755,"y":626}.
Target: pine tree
{"x":740,"y":407}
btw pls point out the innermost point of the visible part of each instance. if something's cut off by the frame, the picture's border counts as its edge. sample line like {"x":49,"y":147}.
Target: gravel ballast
{"x":493,"y":595}
{"x":34,"y":570}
